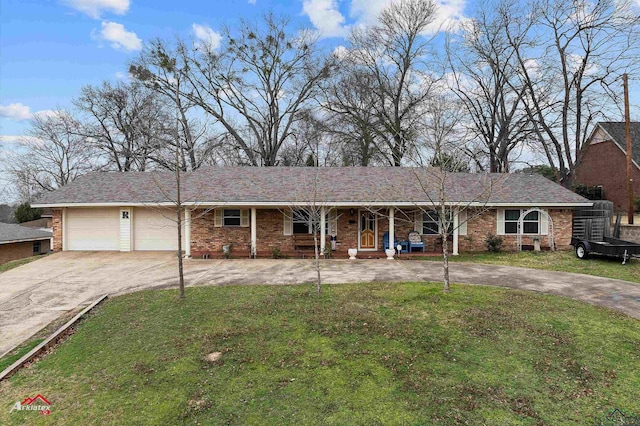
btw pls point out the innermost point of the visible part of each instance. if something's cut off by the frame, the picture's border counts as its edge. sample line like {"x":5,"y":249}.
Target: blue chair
{"x":415,"y":241}
{"x":385,"y":241}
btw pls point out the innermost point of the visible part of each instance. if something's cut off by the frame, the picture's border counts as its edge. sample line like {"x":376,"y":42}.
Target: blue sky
{"x":49,"y":49}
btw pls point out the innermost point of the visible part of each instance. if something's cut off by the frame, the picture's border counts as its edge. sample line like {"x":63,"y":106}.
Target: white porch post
{"x":456,"y":223}
{"x":323,"y":232}
{"x":392,"y":232}
{"x":254,"y":233}
{"x":187,"y":232}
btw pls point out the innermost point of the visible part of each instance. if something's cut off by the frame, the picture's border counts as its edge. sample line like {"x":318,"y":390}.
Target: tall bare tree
{"x":255,"y":85}
{"x":51,"y":154}
{"x":126,"y":122}
{"x":160,"y":68}
{"x":570,"y":63}
{"x":394,"y":53}
{"x":485,"y":77}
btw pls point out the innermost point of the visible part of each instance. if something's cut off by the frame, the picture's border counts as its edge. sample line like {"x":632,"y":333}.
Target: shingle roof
{"x":615,"y":129}
{"x":292,"y":185}
{"x":10,"y":233}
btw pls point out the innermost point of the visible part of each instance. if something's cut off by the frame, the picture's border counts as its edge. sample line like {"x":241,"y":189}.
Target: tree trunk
{"x":445,"y":262}
{"x":317,"y":259}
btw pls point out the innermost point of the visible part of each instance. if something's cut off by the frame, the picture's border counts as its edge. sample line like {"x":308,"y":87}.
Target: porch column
{"x":392,"y":231}
{"x":254,"y":233}
{"x":187,"y":232}
{"x":323,"y":232}
{"x":456,"y":223}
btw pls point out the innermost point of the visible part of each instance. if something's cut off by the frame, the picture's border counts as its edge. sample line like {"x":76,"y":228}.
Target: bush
{"x":493,"y":243}
{"x":276,"y":253}
{"x":24,"y":213}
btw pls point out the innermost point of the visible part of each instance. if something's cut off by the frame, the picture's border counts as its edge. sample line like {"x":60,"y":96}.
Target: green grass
{"x":565,"y":261}
{"x":15,"y":263}
{"x":18,"y":352}
{"x":356,"y":354}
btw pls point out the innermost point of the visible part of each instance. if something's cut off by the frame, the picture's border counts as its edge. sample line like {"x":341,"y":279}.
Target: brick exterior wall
{"x":15,"y":251}
{"x":206,"y":239}
{"x":605,"y":164}
{"x":479,"y":225}
{"x":56,"y":225}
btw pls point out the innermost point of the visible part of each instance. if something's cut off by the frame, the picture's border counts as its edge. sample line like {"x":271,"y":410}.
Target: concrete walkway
{"x":35,"y":294}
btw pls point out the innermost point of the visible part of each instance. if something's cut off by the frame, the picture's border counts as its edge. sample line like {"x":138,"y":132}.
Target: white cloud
{"x":325,"y":16}
{"x":449,"y":13}
{"x":10,"y":139}
{"x":17,"y":112}
{"x":254,"y":1}
{"x":119,"y":38}
{"x":207,"y":36}
{"x":94,"y":8}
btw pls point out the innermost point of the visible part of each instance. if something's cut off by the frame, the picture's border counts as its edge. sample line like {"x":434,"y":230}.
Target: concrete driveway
{"x":35,"y":294}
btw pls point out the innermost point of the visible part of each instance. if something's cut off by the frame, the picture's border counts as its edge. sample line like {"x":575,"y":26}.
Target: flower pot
{"x":352,"y":253}
{"x":390,"y":253}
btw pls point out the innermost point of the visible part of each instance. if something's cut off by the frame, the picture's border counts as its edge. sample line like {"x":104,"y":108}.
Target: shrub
{"x":493,"y":243}
{"x":276,"y":253}
{"x":24,"y":213}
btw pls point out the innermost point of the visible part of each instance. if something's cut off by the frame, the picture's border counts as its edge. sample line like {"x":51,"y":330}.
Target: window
{"x":36,"y":247}
{"x":530,"y":224}
{"x":303,"y":223}
{"x":231,"y":218}
{"x":431,"y":223}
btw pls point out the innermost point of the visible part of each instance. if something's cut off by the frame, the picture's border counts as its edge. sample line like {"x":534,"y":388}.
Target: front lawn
{"x":357,"y":354}
{"x":564,"y":261}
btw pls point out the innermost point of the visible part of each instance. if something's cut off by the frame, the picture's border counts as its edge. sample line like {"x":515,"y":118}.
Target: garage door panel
{"x":154,"y":230}
{"x":93,"y":229}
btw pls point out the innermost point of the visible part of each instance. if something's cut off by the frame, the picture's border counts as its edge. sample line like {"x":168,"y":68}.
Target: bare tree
{"x":126,"y":122}
{"x":51,"y":154}
{"x":394,"y":53}
{"x":161,"y":69}
{"x":484,"y":70}
{"x":570,"y":63}
{"x":255,"y":85}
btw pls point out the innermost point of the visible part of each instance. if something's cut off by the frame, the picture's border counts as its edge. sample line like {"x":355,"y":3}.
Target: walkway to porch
{"x":307,"y":254}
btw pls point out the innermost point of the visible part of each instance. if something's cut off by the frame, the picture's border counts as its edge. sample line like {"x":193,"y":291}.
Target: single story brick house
{"x":603,"y":162}
{"x":259,"y":210}
{"x":18,"y":242}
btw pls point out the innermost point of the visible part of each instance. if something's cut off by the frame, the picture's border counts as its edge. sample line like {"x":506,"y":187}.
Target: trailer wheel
{"x":581,"y":251}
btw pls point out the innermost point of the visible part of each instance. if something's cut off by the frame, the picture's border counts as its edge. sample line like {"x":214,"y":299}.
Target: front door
{"x":367,"y":230}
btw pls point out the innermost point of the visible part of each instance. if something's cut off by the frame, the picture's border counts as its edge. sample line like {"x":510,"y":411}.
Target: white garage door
{"x":154,"y":230}
{"x":93,"y":229}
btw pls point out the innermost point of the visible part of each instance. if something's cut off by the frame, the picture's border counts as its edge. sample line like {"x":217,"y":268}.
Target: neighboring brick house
{"x":262,"y":210}
{"x":18,"y":242}
{"x":603,"y":162}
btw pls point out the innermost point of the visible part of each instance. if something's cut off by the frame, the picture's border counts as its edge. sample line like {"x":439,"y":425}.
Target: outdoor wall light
{"x":351,"y":212}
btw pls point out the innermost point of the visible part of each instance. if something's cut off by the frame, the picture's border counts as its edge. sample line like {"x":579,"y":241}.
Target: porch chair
{"x":415,"y":241}
{"x":385,"y":241}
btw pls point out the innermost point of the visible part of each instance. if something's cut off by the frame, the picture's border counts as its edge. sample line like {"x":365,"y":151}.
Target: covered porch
{"x":268,"y":232}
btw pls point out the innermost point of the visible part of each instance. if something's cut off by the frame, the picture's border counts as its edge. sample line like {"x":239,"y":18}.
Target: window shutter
{"x":244,"y":218}
{"x":462,"y":222}
{"x":544,"y":224}
{"x":333,"y":222}
{"x":288,"y":223}
{"x":217,"y":217}
{"x":500,"y":214}
{"x":417,"y":222}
